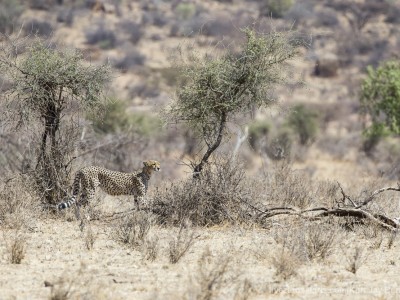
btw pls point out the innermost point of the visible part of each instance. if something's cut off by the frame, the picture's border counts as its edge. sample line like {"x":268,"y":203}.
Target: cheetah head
{"x":152,"y":165}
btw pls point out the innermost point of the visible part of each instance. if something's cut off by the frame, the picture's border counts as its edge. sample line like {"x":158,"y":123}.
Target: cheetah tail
{"x":76,"y":186}
{"x":66,"y":204}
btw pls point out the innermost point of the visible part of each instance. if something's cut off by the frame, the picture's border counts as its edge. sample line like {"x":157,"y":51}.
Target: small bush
{"x":66,"y":16}
{"x":308,"y":241}
{"x":185,"y":11}
{"x":327,"y":17}
{"x":319,"y":240}
{"x":215,"y":197}
{"x":78,"y":285}
{"x":304,"y":122}
{"x":144,"y":90}
{"x":275,"y":8}
{"x":10,"y":10}
{"x":133,"y":30}
{"x":104,"y":38}
{"x":326,"y":66}
{"x":115,"y":119}
{"x":285,"y":263}
{"x":19,"y":207}
{"x":180,"y":245}
{"x":150,"y":248}
{"x":218,"y":27}
{"x":16,"y":245}
{"x":258,"y":132}
{"x":131,"y":60}
{"x":41,"y":28}
{"x":155,"y":18}
{"x":132,"y":230}
{"x":212,"y":275}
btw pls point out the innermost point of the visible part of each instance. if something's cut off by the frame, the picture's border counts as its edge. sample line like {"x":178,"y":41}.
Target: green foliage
{"x":48,"y":76}
{"x":10,"y":10}
{"x":277,"y":8}
{"x":116,"y":119}
{"x":185,"y":11}
{"x":218,"y":88}
{"x":113,"y":119}
{"x":304,"y":122}
{"x":380,"y":99}
{"x":257,"y":131}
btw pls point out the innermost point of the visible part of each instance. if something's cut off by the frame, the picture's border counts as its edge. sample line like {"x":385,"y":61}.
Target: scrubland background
{"x":212,"y":239}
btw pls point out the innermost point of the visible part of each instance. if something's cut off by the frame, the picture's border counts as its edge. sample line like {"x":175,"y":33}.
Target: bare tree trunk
{"x":211,"y":148}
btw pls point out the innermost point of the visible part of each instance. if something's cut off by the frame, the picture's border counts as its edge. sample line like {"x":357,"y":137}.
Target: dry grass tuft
{"x":133,"y":229}
{"x":16,"y":247}
{"x":211,"y":276}
{"x":285,"y":263}
{"x":150,"y":248}
{"x":180,"y":245}
{"x":78,"y":285}
{"x":19,"y":207}
{"x":309,"y":241}
{"x":355,"y":259}
{"x":320,"y":240}
{"x":89,"y":237}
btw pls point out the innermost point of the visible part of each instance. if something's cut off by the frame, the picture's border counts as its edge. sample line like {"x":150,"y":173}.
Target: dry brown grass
{"x":180,"y":244}
{"x":78,"y":285}
{"x":132,"y":229}
{"x":212,"y":276}
{"x":89,"y":237}
{"x":217,"y":196}
{"x":355,"y":259}
{"x":151,"y":248}
{"x":285,"y":262}
{"x":16,"y":243}
{"x":19,"y":206}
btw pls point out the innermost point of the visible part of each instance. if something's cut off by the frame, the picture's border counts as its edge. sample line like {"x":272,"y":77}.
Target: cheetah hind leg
{"x":138,"y":200}
{"x":83,"y":201}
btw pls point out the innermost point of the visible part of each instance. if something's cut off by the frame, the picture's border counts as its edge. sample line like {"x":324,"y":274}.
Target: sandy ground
{"x":56,"y":253}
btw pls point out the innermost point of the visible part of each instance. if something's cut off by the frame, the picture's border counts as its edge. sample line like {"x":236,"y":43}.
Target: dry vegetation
{"x":302,"y":209}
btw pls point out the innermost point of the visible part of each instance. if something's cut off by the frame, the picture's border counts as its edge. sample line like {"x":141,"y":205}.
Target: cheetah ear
{"x":145,"y":163}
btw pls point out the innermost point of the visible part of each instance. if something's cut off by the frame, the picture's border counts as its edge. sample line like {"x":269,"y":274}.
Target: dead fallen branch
{"x":376,"y":218}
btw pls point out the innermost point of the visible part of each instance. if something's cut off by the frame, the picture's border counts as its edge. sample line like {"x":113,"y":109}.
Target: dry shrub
{"x":180,"y":245}
{"x":217,"y":196}
{"x":151,"y":248}
{"x":211,"y":276}
{"x":309,"y":241}
{"x":16,"y":247}
{"x":285,"y":262}
{"x":243,"y":290}
{"x":286,"y":187}
{"x":133,"y":229}
{"x":19,"y":207}
{"x":78,"y":285}
{"x":320,"y":240}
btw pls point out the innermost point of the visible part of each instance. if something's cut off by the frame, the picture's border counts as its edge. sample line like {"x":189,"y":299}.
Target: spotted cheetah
{"x":113,"y":183}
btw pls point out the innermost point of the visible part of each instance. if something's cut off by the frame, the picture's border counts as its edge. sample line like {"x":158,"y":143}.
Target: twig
{"x":371,"y":197}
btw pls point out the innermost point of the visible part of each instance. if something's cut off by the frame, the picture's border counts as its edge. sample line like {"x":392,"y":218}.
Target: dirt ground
{"x":224,"y":262}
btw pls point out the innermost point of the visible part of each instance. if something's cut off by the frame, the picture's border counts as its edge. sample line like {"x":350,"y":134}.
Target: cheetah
{"x":113,"y":183}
